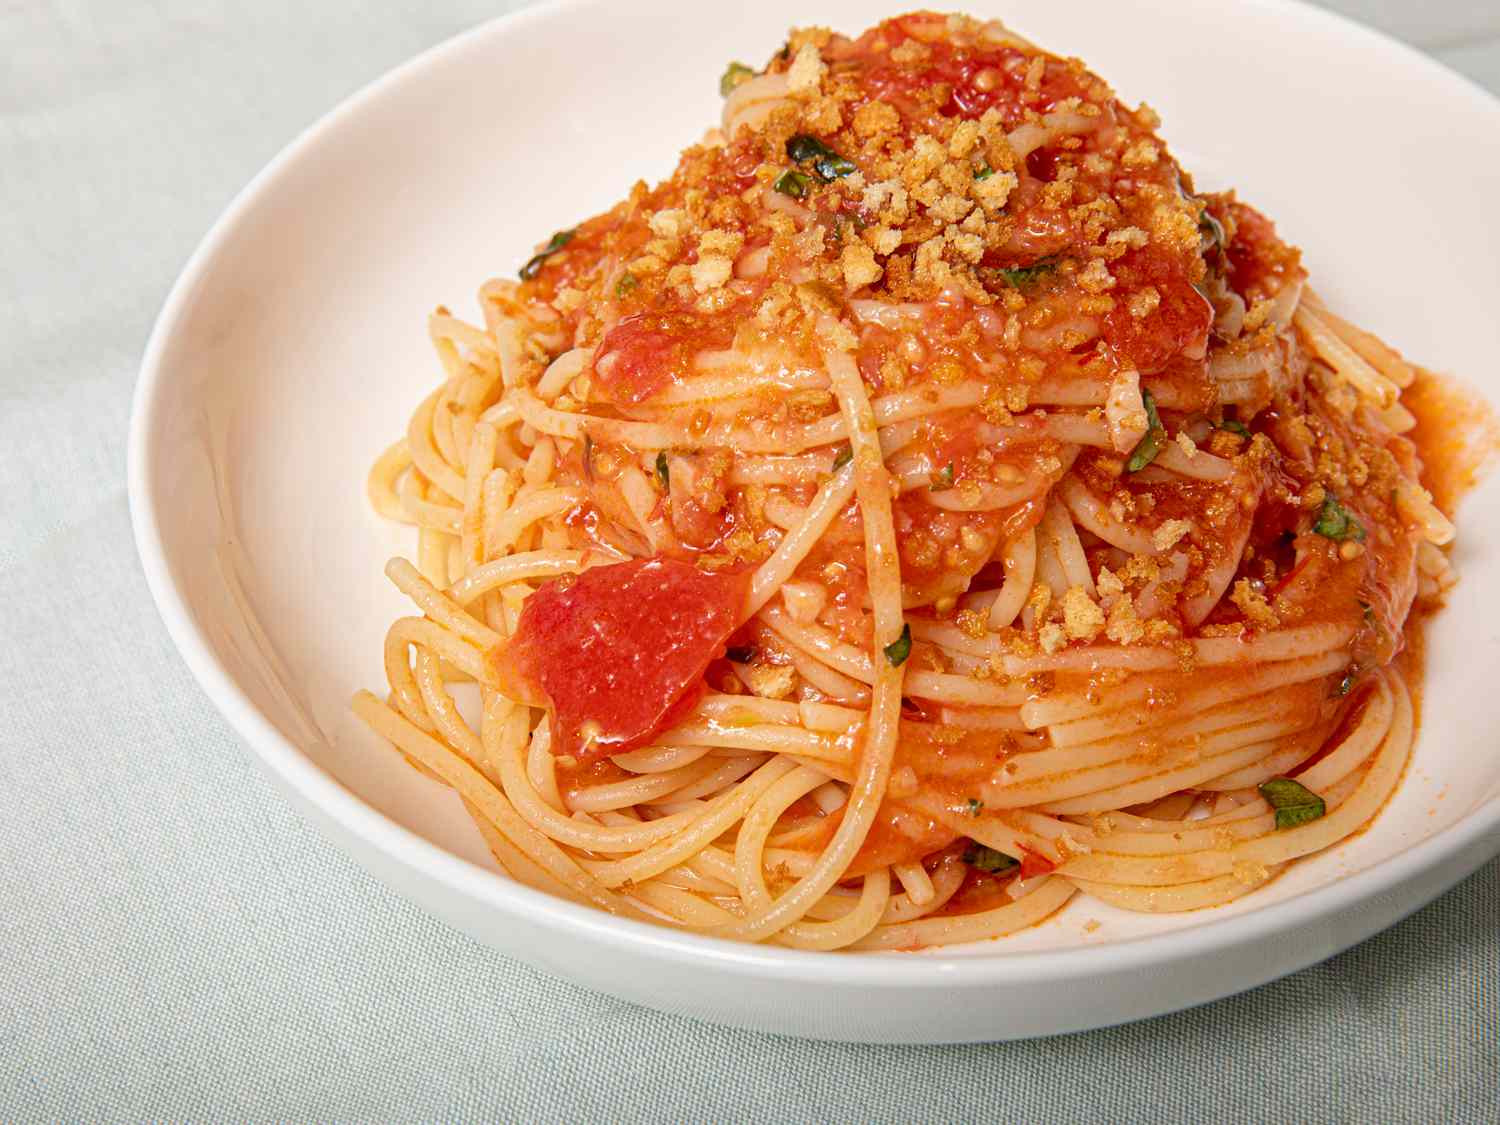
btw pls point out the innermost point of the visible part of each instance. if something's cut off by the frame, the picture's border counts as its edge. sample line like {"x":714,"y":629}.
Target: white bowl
{"x":293,"y":347}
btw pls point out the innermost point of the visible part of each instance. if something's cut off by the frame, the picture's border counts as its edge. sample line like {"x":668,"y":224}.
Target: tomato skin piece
{"x":620,"y":649}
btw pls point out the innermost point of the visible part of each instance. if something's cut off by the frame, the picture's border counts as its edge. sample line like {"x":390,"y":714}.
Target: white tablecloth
{"x":174,"y":943}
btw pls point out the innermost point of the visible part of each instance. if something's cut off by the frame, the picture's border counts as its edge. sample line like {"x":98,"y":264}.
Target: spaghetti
{"x":919,"y":509}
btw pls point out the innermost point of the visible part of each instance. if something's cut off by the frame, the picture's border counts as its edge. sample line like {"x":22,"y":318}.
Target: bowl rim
{"x":404,"y":848}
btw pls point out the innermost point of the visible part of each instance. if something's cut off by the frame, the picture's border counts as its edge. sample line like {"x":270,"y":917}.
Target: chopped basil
{"x":1235,"y":426}
{"x":740,"y":654}
{"x":988,"y":859}
{"x":1334,"y":522}
{"x":1350,"y":678}
{"x":843,"y":457}
{"x":828,"y":164}
{"x":941,"y":480}
{"x":1294,"y":802}
{"x":627,"y":282}
{"x":899,"y":649}
{"x":1148,"y":447}
{"x":793,"y":183}
{"x":1372,"y":619}
{"x":734,"y":74}
{"x":1021,"y":276}
{"x":976,"y":806}
{"x":983,"y":172}
{"x":663,"y":470}
{"x":558,"y":241}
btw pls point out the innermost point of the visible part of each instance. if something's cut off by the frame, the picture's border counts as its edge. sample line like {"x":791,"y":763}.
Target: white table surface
{"x":176,"y":944}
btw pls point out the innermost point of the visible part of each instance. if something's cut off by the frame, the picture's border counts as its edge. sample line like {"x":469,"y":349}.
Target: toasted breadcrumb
{"x":1082,"y":618}
{"x":1169,"y":533}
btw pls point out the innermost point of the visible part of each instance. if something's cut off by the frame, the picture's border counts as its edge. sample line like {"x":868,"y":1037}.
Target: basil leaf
{"x":1294,"y":802}
{"x":1235,"y":427}
{"x":942,"y":480}
{"x":734,"y":74}
{"x":983,"y":172}
{"x":828,"y":164}
{"x":663,"y":471}
{"x":1021,"y":276}
{"x":1334,"y":522}
{"x":627,"y":283}
{"x":899,"y":649}
{"x":1148,"y":447}
{"x":793,"y":183}
{"x":988,"y":859}
{"x":845,"y":455}
{"x":558,"y":241}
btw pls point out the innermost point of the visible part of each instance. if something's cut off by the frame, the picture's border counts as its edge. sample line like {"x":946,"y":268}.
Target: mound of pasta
{"x":919,"y":509}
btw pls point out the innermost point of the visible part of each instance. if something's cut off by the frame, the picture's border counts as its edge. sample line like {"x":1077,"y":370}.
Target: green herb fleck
{"x":740,"y":654}
{"x":983,"y":172}
{"x":1334,"y":522}
{"x":988,"y":859}
{"x":899,"y":649}
{"x":1372,"y":619}
{"x":557,"y":242}
{"x":1022,"y":276}
{"x":1235,"y":426}
{"x":626,"y":284}
{"x":793,"y":183}
{"x":1148,"y":447}
{"x":843,"y":457}
{"x":1294,"y":802}
{"x":734,"y":74}
{"x":941,"y":480}
{"x":828,"y":164}
{"x":663,"y":471}
{"x":1350,"y":678}
{"x":976,"y":806}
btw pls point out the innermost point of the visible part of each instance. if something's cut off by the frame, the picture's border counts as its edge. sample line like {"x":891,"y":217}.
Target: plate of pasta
{"x":914,"y":544}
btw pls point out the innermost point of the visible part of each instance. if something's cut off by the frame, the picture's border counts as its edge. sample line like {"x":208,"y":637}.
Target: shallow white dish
{"x":293,"y":347}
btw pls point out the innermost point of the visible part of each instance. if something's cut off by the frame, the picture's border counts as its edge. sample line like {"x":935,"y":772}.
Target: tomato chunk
{"x":1260,"y":264}
{"x":1179,"y":322}
{"x":619,"y":651}
{"x":645,"y":353}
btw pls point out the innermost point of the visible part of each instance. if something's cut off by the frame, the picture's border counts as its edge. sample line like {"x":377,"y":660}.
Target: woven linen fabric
{"x":176,"y":945}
